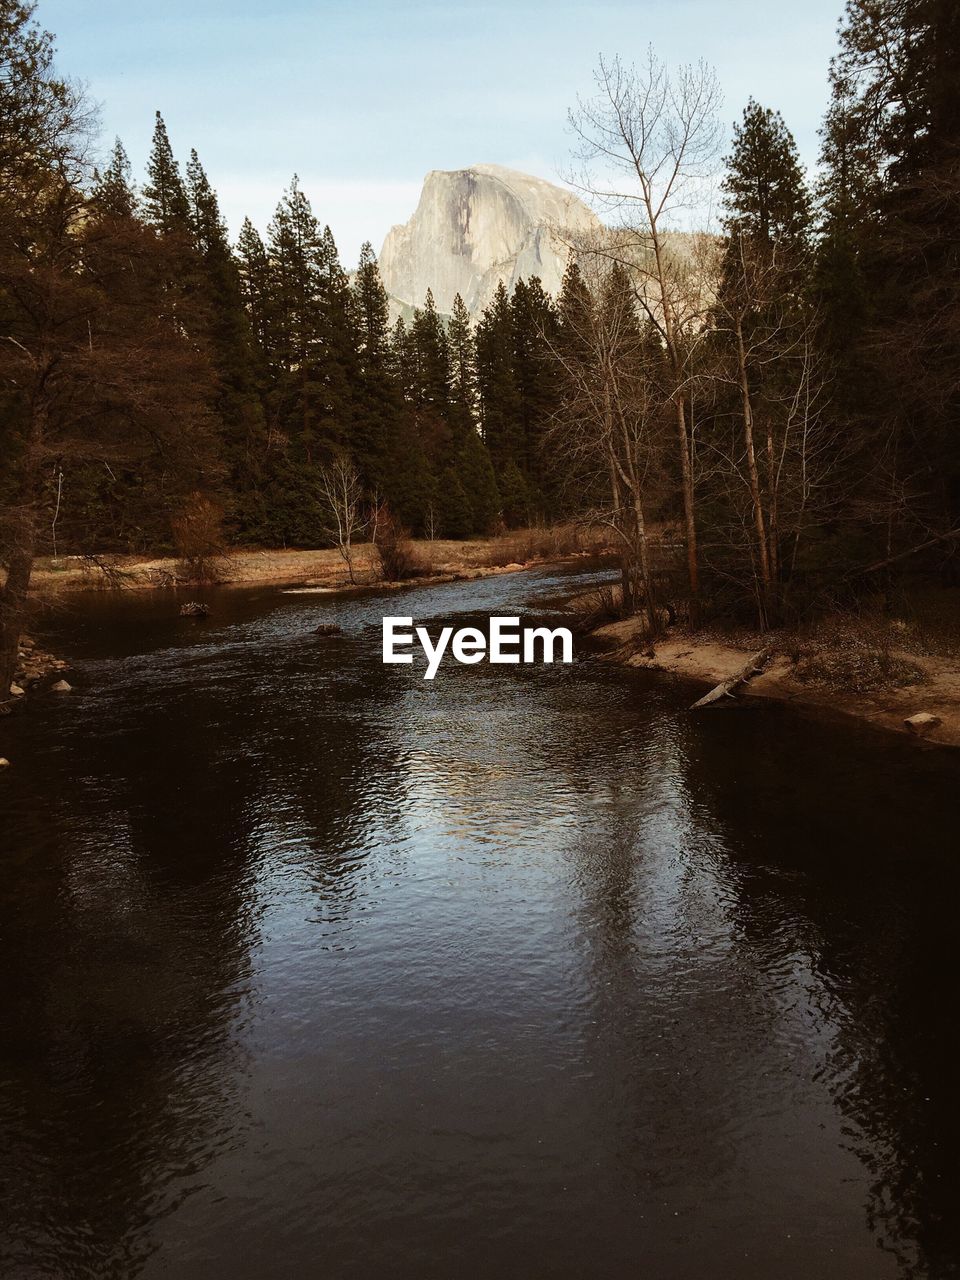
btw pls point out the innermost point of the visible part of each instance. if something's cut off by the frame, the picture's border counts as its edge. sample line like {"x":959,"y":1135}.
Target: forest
{"x":773,"y":390}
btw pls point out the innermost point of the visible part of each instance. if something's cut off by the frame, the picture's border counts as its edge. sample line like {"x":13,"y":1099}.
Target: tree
{"x":236,"y":399}
{"x":431,"y":363}
{"x":92,"y":363}
{"x":889,"y":259}
{"x":463,"y":363}
{"x":165,"y":202}
{"x":379,"y":400}
{"x":610,"y":410}
{"x":657,"y":135}
{"x":113,"y":190}
{"x":499,"y":401}
{"x":253,"y":265}
{"x":761,"y":307}
{"x":766,"y":197}
{"x":534,"y":324}
{"x":342,"y":497}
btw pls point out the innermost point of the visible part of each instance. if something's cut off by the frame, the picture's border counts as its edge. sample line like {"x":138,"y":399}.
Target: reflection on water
{"x":312,"y":967}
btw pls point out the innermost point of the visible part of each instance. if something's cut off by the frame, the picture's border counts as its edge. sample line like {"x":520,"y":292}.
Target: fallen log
{"x":726,"y":687}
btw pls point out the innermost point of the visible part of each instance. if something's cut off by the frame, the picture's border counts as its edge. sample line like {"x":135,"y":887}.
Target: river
{"x":314,"y":968}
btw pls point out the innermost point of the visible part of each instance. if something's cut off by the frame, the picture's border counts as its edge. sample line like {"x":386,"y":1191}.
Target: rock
{"x":4,"y":763}
{"x":328,"y":629}
{"x":16,"y":691}
{"x":512,"y":568}
{"x":61,"y":687}
{"x":194,"y":609}
{"x":475,"y":227}
{"x":922,"y":723}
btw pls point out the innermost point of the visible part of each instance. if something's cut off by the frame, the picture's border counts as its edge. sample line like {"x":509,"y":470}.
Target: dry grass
{"x":324,"y":567}
{"x":855,"y":656}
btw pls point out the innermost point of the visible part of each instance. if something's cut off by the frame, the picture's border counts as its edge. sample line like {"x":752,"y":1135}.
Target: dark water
{"x":313,"y":969}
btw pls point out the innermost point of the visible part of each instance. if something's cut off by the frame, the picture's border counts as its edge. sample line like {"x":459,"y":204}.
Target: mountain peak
{"x":476,"y":227}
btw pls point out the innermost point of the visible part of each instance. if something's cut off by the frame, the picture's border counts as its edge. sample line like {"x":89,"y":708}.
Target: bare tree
{"x":776,"y":471}
{"x":342,"y":496}
{"x":607,"y":424}
{"x":649,"y":143}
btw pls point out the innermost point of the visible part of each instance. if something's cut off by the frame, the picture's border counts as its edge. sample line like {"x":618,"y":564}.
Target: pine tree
{"x":165,"y":202}
{"x":207,"y":227}
{"x":470,"y":457}
{"x":500,"y":420}
{"x":535,"y":329}
{"x":453,"y":506}
{"x":113,"y":189}
{"x":253,"y":265}
{"x":292,"y":317}
{"x":479,"y":482}
{"x":380,"y":408}
{"x":237,"y":401}
{"x":514,"y":496}
{"x":463,"y":363}
{"x":573,"y":312}
{"x":765,"y":191}
{"x":431,"y":355}
{"x":94,"y":368}
{"x":762,"y":319}
{"x":889,"y":259}
{"x":338,"y":365}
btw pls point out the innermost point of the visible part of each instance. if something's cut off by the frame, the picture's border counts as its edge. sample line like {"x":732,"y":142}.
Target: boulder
{"x":328,"y":629}
{"x":194,"y":609}
{"x":922,"y":723}
{"x":61,"y":687}
{"x":16,"y":691}
{"x":4,"y":763}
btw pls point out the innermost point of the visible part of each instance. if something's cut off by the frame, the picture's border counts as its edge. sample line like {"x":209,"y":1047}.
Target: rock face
{"x":475,"y":227}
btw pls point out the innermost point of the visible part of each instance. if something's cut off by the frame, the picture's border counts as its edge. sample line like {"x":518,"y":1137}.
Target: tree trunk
{"x":772,"y":522}
{"x":13,"y":610}
{"x":763,"y":549}
{"x":726,"y":687}
{"x":683,"y":439}
{"x":689,"y":510}
{"x":14,"y":593}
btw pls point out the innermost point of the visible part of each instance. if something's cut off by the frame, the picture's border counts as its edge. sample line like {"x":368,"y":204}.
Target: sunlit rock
{"x":475,"y":227}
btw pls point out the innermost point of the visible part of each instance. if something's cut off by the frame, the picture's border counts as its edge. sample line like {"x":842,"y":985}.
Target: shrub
{"x":198,"y":539}
{"x":855,"y":660}
{"x":596,"y":608}
{"x":398,"y":557}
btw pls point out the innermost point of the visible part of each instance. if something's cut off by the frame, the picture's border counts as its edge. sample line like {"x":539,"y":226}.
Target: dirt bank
{"x":326,"y":568}
{"x":711,"y":661}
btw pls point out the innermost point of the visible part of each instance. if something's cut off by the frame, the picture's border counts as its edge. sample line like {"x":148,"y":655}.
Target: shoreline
{"x":704,"y":660}
{"x":709,"y":662}
{"x":309,"y":570}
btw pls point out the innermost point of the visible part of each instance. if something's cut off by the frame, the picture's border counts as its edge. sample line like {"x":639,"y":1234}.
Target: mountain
{"x":475,"y":227}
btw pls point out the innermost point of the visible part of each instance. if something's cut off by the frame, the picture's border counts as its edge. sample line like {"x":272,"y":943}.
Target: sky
{"x":362,"y":98}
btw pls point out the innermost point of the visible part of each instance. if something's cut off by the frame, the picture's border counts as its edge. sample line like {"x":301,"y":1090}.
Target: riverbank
{"x":322,"y":571}
{"x":436,"y":560}
{"x":802,"y":672}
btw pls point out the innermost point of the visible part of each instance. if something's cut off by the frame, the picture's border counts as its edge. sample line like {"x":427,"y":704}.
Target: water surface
{"x":314,"y":968}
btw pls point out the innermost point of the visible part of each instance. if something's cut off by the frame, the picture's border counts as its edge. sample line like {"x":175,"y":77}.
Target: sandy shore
{"x":711,"y":662}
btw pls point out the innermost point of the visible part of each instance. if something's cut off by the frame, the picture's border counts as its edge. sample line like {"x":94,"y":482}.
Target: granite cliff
{"x":475,"y":227}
